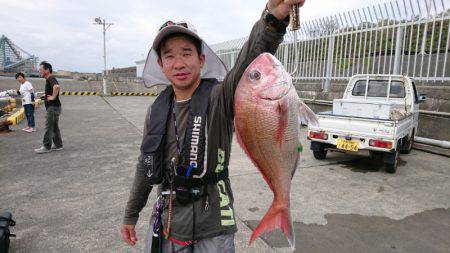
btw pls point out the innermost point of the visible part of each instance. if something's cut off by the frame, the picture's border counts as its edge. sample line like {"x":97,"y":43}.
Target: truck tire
{"x":320,"y":154}
{"x":407,"y":145}
{"x":391,"y":161}
{"x":319,"y":150}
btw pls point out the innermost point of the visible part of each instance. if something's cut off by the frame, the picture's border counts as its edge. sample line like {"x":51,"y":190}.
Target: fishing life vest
{"x":193,"y":147}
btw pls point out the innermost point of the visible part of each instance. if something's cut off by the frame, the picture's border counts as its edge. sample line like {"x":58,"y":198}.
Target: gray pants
{"x":52,"y":132}
{"x":218,"y":244}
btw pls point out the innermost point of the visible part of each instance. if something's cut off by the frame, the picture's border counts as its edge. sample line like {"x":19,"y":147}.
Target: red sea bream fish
{"x":268,"y":112}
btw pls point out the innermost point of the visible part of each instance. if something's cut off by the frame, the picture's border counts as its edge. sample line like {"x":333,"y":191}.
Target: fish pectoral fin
{"x":306,"y":115}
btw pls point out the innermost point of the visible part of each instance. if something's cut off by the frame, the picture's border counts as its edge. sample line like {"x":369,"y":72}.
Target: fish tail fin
{"x":277,"y":217}
{"x":306,"y":115}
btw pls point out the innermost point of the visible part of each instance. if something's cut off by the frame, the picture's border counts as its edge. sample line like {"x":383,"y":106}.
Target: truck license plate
{"x":347,"y":145}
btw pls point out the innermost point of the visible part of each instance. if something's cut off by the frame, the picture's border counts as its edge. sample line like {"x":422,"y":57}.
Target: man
{"x":27,"y":93}
{"x":53,"y":107}
{"x":194,"y":211}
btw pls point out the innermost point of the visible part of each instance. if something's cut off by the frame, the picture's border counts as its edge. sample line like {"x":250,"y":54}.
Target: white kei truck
{"x":377,"y":116}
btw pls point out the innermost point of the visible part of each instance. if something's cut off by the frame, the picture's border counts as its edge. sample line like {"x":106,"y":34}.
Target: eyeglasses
{"x":171,"y":23}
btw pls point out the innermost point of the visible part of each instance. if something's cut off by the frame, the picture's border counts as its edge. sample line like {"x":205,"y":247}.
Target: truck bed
{"x":360,"y":126}
{"x":372,"y":107}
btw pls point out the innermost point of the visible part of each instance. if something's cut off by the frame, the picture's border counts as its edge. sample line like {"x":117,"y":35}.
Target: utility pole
{"x":99,"y":21}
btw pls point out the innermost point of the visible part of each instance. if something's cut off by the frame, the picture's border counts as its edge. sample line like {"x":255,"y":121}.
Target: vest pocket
{"x":152,"y":157}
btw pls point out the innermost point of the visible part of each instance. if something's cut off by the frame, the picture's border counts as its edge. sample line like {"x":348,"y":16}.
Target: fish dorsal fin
{"x":306,"y":115}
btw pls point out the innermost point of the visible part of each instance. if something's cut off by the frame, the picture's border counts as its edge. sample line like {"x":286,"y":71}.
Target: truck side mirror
{"x":422,"y":98}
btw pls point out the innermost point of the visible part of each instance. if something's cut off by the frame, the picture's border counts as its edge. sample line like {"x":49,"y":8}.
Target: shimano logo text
{"x":195,"y":140}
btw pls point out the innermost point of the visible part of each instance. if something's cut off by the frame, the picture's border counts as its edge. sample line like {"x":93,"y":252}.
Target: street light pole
{"x":105,"y":25}
{"x":104,"y":58}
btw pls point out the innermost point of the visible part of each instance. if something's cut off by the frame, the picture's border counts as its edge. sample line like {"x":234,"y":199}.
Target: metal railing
{"x":409,"y":37}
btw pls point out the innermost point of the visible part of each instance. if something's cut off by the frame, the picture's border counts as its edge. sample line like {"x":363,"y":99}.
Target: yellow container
{"x":17,"y":117}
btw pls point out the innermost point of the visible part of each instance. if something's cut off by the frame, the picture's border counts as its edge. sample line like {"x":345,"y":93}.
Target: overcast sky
{"x":63,"y":33}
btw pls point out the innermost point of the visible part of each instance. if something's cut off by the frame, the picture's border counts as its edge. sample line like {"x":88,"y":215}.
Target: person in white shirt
{"x":26,"y":90}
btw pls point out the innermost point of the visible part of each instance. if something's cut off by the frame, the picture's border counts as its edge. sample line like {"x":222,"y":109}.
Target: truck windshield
{"x":378,"y":88}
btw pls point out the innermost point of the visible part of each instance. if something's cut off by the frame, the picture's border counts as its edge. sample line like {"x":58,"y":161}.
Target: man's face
{"x":44,"y":72}
{"x":180,"y":62}
{"x":20,"y":79}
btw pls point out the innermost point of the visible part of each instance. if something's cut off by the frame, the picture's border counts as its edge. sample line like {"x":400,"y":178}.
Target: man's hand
{"x":129,"y":234}
{"x":280,"y":8}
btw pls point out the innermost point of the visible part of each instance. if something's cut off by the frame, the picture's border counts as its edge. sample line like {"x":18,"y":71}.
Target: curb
{"x":18,"y":116}
{"x":135,"y":94}
{"x":94,"y":93}
{"x":81,"y":93}
{"x":431,"y":149}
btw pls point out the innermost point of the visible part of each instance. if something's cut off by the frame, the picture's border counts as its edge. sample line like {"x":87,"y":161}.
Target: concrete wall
{"x":7,"y":83}
{"x":125,"y":85}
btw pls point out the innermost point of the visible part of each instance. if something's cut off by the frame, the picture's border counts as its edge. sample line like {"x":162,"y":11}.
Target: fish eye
{"x":255,"y":75}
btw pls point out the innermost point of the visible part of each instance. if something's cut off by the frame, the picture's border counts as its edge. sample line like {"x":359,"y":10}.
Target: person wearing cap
{"x":194,"y":210}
